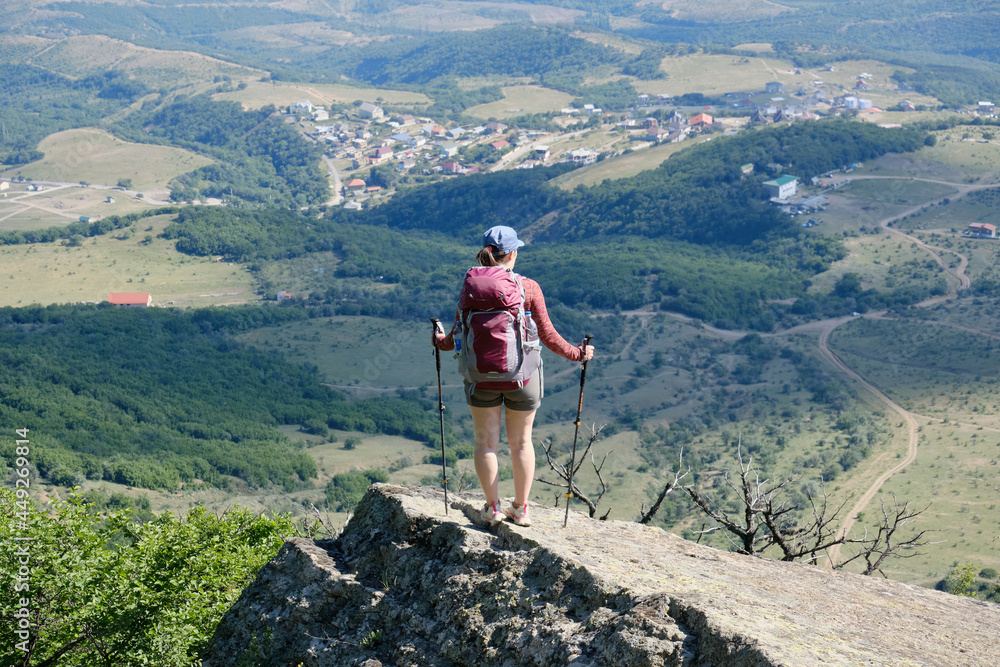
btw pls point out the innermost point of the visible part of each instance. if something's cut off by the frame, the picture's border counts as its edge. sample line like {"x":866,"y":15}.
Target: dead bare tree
{"x":321,"y":527}
{"x":647,"y":516}
{"x":874,"y":550}
{"x":563,"y":471}
{"x":768,"y":520}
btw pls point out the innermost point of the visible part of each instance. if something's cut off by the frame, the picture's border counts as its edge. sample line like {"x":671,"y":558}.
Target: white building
{"x":369,"y":110}
{"x":583,"y":156}
{"x":781,"y":187}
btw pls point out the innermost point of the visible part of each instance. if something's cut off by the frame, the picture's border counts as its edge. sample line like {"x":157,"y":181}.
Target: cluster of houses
{"x":677,"y":128}
{"x":368,"y":136}
{"x":371,"y":138}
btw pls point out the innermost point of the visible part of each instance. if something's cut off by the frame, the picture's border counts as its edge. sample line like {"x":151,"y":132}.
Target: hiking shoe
{"x":518,"y":514}
{"x":492,"y":513}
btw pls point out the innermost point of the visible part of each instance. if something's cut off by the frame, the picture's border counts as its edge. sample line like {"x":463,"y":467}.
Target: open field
{"x":84,"y":55}
{"x":520,"y":100}
{"x":613,"y":41}
{"x":621,"y":166}
{"x":934,"y":369}
{"x":57,"y":206}
{"x":299,"y":275}
{"x":864,"y":203}
{"x":94,"y":156}
{"x":892,"y":193}
{"x":476,"y":15}
{"x":718,"y":74}
{"x":958,"y":214}
{"x":723,"y":11}
{"x":882,"y":262}
{"x":476,"y":82}
{"x":306,"y":37}
{"x":258,"y":94}
{"x":981,"y":313}
{"x":56,"y":273}
{"x":947,"y":377}
{"x":912,"y":165}
{"x":951,"y":473}
{"x":978,"y":158}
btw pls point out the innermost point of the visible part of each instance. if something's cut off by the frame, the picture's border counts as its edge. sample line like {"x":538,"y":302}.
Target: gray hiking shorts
{"x":526,"y":398}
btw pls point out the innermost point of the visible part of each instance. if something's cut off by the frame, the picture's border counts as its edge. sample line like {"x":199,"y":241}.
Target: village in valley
{"x":371,"y":147}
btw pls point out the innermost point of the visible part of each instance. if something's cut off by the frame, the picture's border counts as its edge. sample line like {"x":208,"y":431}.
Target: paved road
{"x":335,"y":182}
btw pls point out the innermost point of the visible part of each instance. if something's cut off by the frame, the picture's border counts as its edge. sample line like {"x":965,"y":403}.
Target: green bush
{"x":153,"y":599}
{"x":346,"y":490}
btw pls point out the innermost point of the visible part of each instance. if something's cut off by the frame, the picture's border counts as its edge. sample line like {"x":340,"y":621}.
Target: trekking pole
{"x":576,"y":431}
{"x":437,"y":358}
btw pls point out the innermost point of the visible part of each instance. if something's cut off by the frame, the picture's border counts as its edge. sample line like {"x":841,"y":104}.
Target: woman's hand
{"x":586,"y":350}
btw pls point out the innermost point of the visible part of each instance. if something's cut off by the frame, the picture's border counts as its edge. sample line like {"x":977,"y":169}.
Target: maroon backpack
{"x":498,"y":341}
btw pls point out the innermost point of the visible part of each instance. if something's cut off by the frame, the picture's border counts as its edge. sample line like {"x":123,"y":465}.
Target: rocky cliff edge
{"x":406,"y":585}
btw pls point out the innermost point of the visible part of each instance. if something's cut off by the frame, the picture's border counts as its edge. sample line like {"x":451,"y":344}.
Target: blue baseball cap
{"x":504,"y":239}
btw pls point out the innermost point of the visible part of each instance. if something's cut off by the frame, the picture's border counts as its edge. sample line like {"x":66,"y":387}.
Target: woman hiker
{"x":520,"y":396}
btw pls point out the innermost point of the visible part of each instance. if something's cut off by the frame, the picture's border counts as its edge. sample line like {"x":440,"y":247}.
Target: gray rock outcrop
{"x":406,"y":585}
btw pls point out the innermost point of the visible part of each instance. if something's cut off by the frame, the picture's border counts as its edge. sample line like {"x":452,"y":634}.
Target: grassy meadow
{"x":718,"y":74}
{"x":84,"y":55}
{"x":120,"y":262}
{"x":948,"y":378}
{"x":94,"y":156}
{"x":958,"y":214}
{"x":59,"y":205}
{"x":621,"y":166}
{"x":865,"y":202}
{"x":883,"y":263}
{"x":259,"y":94}
{"x":521,"y":100}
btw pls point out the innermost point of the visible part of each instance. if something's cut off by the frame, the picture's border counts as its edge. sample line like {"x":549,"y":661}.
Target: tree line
{"x":260,"y":160}
{"x":35,"y":103}
{"x":180,"y":401}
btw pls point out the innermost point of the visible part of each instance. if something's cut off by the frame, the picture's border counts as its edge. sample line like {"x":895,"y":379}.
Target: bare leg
{"x":486,"y":422}
{"x":522,"y":452}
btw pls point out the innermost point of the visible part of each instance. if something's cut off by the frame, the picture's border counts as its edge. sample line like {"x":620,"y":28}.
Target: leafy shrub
{"x":346,"y":490}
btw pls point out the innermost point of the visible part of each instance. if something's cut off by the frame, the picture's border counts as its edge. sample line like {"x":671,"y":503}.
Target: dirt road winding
{"x":909,"y":418}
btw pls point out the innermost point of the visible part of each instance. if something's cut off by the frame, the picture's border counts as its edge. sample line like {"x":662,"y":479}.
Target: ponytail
{"x":486,"y":257}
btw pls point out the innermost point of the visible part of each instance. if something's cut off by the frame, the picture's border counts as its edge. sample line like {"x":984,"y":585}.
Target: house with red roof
{"x":700,"y":119}
{"x":983,"y":230}
{"x":357,"y":186}
{"x":131,"y":299}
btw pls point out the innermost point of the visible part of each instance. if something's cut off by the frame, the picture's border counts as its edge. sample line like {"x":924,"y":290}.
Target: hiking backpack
{"x":498,"y":340}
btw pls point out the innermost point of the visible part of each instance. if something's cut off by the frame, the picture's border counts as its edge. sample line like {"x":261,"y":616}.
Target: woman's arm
{"x":535,"y":302}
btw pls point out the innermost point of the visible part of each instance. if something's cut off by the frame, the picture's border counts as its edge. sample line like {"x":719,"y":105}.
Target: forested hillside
{"x":261,"y":160}
{"x":700,"y":195}
{"x":34,"y":103}
{"x":512,"y":51}
{"x":155,"y":397}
